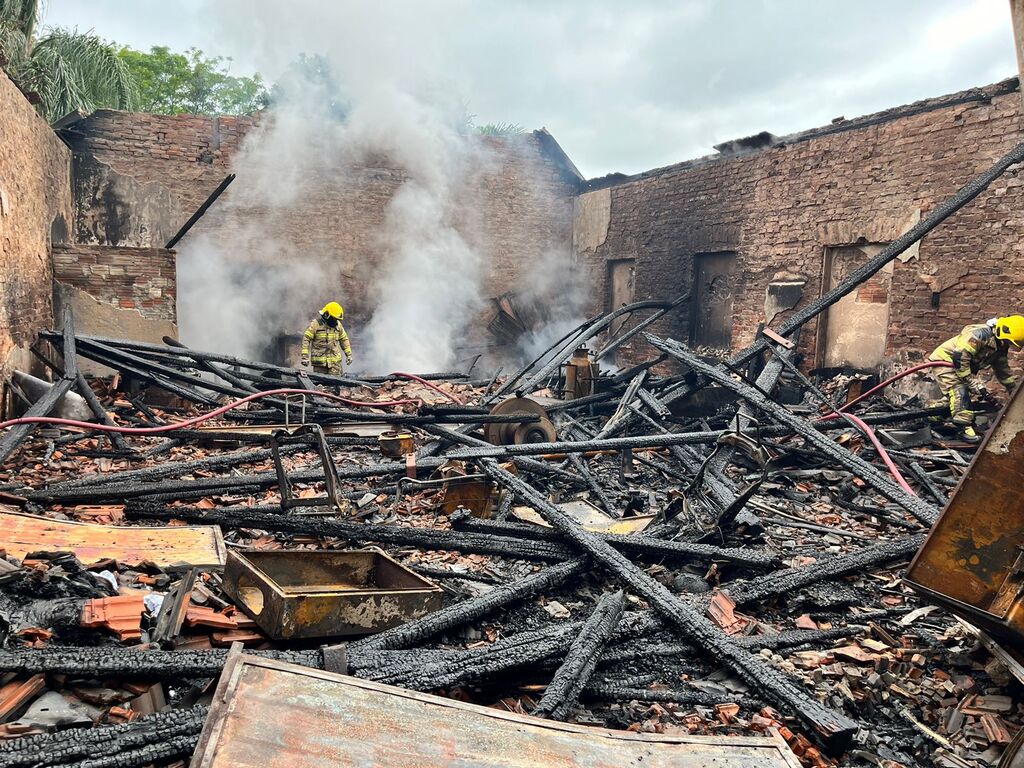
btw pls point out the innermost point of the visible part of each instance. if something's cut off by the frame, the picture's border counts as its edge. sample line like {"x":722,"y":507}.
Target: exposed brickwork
{"x":779,"y":209}
{"x":142,"y":279}
{"x":138,"y":178}
{"x":35,"y":198}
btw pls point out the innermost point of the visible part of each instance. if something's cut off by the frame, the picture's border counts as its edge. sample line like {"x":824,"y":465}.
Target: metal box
{"x":312,"y":594}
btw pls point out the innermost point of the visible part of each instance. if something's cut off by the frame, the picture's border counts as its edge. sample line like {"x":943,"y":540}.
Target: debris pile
{"x":665,"y":548}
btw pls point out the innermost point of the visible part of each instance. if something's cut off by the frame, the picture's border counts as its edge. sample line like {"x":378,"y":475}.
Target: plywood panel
{"x":201,"y":546}
{"x":267,"y":714}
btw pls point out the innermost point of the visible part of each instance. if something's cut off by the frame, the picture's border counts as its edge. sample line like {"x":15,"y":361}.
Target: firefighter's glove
{"x":348,"y":359}
{"x":304,"y":362}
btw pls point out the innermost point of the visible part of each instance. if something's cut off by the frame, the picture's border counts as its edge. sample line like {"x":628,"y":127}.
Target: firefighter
{"x":325,"y":340}
{"x":976,"y":347}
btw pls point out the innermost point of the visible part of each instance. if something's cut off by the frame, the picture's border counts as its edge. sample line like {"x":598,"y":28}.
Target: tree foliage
{"x":68,"y":69}
{"x":309,"y":77}
{"x":191,"y":82}
{"x":504,"y":130}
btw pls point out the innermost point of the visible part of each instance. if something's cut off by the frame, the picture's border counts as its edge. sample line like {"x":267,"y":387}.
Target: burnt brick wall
{"x":35,"y":204}
{"x":779,"y":209}
{"x":138,"y":177}
{"x":142,"y":279}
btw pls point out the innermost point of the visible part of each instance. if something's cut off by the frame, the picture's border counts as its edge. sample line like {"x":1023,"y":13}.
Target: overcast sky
{"x":624,"y":85}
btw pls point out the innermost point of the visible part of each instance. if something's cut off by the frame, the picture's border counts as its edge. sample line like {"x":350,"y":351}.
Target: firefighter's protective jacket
{"x":975,"y":348}
{"x":323,"y":345}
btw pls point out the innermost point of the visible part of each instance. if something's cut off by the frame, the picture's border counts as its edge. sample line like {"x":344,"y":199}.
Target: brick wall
{"x":141,"y":279}
{"x":35,"y":201}
{"x":138,"y":177}
{"x":864,"y":181}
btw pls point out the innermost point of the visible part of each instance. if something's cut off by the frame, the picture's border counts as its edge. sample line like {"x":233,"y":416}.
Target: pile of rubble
{"x":597,"y":558}
{"x":216,"y":557}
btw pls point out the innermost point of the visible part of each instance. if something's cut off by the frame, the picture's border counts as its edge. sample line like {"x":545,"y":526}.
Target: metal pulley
{"x":520,"y":432}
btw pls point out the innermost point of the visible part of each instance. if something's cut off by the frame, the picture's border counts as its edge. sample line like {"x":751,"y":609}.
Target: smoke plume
{"x":381,"y":109}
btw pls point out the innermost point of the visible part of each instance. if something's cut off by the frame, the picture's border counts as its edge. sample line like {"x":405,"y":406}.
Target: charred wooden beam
{"x":200,"y":211}
{"x":623,"y":693}
{"x":602,"y":496}
{"x":920,"y":509}
{"x":428,"y":538}
{"x":632,"y":649}
{"x":827,"y":568}
{"x":17,"y":434}
{"x":130,"y":663}
{"x":223,"y":484}
{"x":640,"y":546}
{"x":638,"y":442}
{"x":523,"y":649}
{"x":156,"y":738}
{"x":564,"y":689}
{"x":834,"y":729}
{"x":100,"y":412}
{"x":927,"y":482}
{"x":216,"y":370}
{"x":168,"y":469}
{"x":462,"y":613}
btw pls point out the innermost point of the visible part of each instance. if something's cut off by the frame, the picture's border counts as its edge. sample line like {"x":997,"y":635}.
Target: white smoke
{"x":243,"y":279}
{"x":558,"y":288}
{"x":411,"y":301}
{"x":428,"y":291}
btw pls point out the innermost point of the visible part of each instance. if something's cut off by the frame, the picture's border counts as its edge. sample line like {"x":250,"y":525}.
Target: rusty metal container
{"x":395,"y":445}
{"x":579,"y":375}
{"x":972,"y":563}
{"x":473,"y":493}
{"x":327,"y":594}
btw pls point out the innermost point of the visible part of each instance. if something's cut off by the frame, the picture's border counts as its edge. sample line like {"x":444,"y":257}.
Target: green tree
{"x":309,"y":78}
{"x":68,"y":69}
{"x":191,"y":82}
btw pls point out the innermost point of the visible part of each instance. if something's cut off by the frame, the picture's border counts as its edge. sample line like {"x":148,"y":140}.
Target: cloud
{"x":623,"y":86}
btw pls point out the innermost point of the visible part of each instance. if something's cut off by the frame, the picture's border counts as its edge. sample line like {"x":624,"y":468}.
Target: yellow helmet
{"x":1011,"y":328}
{"x":335,"y":310}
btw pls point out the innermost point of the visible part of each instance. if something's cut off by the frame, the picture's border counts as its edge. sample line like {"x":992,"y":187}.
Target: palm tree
{"x":69,"y":70}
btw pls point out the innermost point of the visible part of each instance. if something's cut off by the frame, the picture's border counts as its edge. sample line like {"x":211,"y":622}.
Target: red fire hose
{"x":870,"y":433}
{"x":897,"y":377}
{"x":424,"y":382}
{"x":202,"y":417}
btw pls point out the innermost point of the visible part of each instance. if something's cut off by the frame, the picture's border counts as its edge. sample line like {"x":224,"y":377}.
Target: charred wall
{"x":138,"y":177}
{"x":858,"y":182}
{"x":35,"y":207}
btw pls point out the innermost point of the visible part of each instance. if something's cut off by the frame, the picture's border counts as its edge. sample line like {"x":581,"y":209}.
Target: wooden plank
{"x":200,"y":546}
{"x":267,"y":714}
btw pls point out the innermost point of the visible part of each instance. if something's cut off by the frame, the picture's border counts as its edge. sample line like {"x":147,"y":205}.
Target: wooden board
{"x":267,"y":714}
{"x":201,"y":546}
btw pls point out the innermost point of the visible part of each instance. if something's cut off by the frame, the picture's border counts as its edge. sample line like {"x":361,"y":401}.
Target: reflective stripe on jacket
{"x":976,"y":347}
{"x":324,"y":345}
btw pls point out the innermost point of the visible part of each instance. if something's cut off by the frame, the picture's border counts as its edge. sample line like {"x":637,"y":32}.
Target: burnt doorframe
{"x":825,"y":284}
{"x":695,"y":260}
{"x":609,"y":299}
